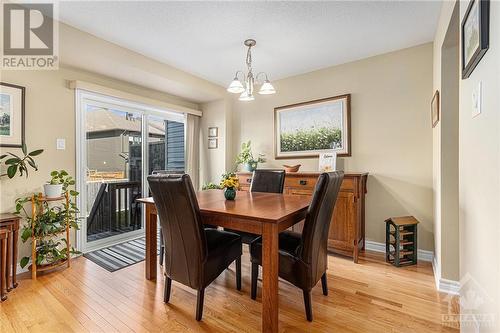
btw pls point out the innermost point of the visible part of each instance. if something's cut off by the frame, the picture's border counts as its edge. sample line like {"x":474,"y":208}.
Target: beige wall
{"x":480,"y":179}
{"x":445,"y":157}
{"x":213,"y":161}
{"x":391,"y":130}
{"x":50,"y":114}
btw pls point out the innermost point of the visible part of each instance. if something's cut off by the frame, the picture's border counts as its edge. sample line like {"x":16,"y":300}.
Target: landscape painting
{"x":310,"y":128}
{"x":5,"y":115}
{"x":11,"y":115}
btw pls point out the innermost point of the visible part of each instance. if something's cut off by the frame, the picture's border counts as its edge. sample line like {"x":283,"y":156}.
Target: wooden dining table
{"x":265,"y":214}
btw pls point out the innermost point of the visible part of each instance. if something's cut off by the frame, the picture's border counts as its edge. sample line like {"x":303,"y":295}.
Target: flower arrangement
{"x":230,"y":184}
{"x":230,"y":180}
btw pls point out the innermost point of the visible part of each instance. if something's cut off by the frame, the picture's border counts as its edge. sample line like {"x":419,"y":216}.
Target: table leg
{"x":8,"y":261}
{"x":151,"y":240}
{"x":270,"y":265}
{"x":3,"y":249}
{"x":15,"y":236}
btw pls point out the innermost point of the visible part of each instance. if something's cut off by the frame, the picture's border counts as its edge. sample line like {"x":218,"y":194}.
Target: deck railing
{"x":114,"y":208}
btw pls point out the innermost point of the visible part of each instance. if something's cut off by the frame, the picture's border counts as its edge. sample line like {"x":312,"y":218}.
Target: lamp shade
{"x":245,"y":97}
{"x":267,"y":88}
{"x":235,"y":87}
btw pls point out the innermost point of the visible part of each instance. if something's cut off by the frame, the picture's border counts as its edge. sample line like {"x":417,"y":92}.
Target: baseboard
{"x":448,"y":286}
{"x":444,"y":285}
{"x":423,"y":255}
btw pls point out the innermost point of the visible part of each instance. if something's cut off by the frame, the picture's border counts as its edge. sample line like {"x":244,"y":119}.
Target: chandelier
{"x":246,"y":90}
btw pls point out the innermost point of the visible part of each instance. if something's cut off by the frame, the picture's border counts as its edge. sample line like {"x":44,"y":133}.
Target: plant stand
{"x":401,"y":241}
{"x":36,"y":210}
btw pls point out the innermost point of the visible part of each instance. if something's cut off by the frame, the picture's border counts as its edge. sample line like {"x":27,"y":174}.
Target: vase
{"x":250,"y":166}
{"x":230,"y":193}
{"x":53,"y":191}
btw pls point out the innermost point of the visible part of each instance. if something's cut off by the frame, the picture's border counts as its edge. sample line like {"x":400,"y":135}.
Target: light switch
{"x":477,"y":99}
{"x":61,"y":144}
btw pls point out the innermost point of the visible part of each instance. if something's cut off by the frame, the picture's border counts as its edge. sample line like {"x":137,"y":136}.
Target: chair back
{"x":313,"y":248}
{"x":181,"y":223}
{"x":270,"y":181}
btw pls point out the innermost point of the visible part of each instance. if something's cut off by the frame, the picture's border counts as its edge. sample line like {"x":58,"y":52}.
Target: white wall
{"x":480,"y":180}
{"x":391,"y":130}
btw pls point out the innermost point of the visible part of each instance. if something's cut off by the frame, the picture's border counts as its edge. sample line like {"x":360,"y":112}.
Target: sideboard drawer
{"x":300,"y":182}
{"x":300,"y":191}
{"x":348,"y":184}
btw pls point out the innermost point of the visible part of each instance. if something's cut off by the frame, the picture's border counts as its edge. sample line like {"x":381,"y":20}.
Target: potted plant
{"x":47,"y":224}
{"x":210,"y":186}
{"x":246,"y":158}
{"x":230,"y":184}
{"x":59,"y":182}
{"x":16,"y":163}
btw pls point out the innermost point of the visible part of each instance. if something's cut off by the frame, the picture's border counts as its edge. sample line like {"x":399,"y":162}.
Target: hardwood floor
{"x":371,"y":296}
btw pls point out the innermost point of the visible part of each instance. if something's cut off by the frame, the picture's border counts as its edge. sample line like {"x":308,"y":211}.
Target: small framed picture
{"x":435,"y":109}
{"x":213,"y":143}
{"x":213,"y":132}
{"x":475,"y":35}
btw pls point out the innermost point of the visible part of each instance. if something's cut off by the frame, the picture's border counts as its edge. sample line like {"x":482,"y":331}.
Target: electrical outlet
{"x":477,"y":99}
{"x":61,"y":144}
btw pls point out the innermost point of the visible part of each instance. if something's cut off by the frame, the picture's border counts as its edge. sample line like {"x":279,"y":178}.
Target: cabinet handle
{"x":249,"y":180}
{"x":303,"y":182}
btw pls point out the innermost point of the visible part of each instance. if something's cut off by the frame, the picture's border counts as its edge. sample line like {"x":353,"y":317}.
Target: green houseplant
{"x":48,"y":224}
{"x":20,"y":164}
{"x":245,"y":157}
{"x":58,"y":184}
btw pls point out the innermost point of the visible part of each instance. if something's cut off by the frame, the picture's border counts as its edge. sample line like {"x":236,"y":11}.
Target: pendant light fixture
{"x":246,"y":89}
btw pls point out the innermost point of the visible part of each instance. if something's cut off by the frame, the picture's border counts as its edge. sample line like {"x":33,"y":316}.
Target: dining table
{"x":265,"y":214}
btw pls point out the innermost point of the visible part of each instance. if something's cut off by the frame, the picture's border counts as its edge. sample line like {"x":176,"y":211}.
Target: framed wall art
{"x":212,"y":143}
{"x":310,"y":128}
{"x":475,"y":35}
{"x":435,"y":109}
{"x":12,"y":109}
{"x":213,"y":132}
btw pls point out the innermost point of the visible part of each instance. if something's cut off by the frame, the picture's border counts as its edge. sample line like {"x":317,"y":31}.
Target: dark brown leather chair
{"x":263,"y":180}
{"x":303,"y":257}
{"x":269,"y":181}
{"x":194,"y":255}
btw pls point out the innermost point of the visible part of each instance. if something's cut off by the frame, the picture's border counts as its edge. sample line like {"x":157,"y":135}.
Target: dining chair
{"x":162,"y":244}
{"x":194,"y":255}
{"x":303,"y":257}
{"x":263,"y":180}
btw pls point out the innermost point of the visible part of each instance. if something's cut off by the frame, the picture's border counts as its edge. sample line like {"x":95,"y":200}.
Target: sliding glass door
{"x":120,"y":144}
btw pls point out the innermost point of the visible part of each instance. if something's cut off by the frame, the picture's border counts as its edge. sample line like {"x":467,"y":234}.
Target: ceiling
{"x":206,"y":38}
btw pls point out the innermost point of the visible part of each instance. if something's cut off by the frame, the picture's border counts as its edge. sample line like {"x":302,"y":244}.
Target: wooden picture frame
{"x":435,"y":109}
{"x":213,"y":143}
{"x":12,"y":115}
{"x":475,"y":35}
{"x":213,"y":132}
{"x":304,"y":130}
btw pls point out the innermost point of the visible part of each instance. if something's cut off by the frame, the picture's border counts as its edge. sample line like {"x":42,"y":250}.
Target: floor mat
{"x":120,"y":255}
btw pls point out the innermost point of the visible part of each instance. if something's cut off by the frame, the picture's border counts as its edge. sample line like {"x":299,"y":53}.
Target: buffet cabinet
{"x":347,"y":230}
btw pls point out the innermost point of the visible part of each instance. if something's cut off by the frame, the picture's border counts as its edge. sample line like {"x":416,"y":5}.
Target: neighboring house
{"x":113,"y":144}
